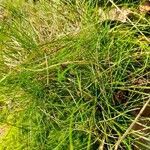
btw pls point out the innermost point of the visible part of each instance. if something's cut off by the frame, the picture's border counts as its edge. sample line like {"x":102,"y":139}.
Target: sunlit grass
{"x":69,"y":80}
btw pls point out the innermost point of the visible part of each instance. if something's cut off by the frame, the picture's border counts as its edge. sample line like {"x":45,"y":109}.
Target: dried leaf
{"x":140,"y":125}
{"x":121,"y":96}
{"x":145,"y":113}
{"x":140,"y":81}
{"x":119,"y":14}
{"x":115,"y":14}
{"x":145,"y":8}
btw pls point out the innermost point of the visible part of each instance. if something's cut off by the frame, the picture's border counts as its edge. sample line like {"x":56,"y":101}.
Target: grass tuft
{"x":69,"y":80}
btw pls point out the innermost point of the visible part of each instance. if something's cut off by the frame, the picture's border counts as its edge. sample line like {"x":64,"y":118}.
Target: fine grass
{"x":61,"y":72}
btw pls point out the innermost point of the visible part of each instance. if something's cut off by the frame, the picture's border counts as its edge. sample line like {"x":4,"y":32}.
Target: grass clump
{"x":69,"y":80}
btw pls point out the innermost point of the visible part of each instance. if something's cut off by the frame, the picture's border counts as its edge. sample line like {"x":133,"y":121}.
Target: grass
{"x":71,"y":81}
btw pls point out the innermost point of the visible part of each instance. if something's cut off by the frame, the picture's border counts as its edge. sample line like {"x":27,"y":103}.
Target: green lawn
{"x":72,"y":78}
